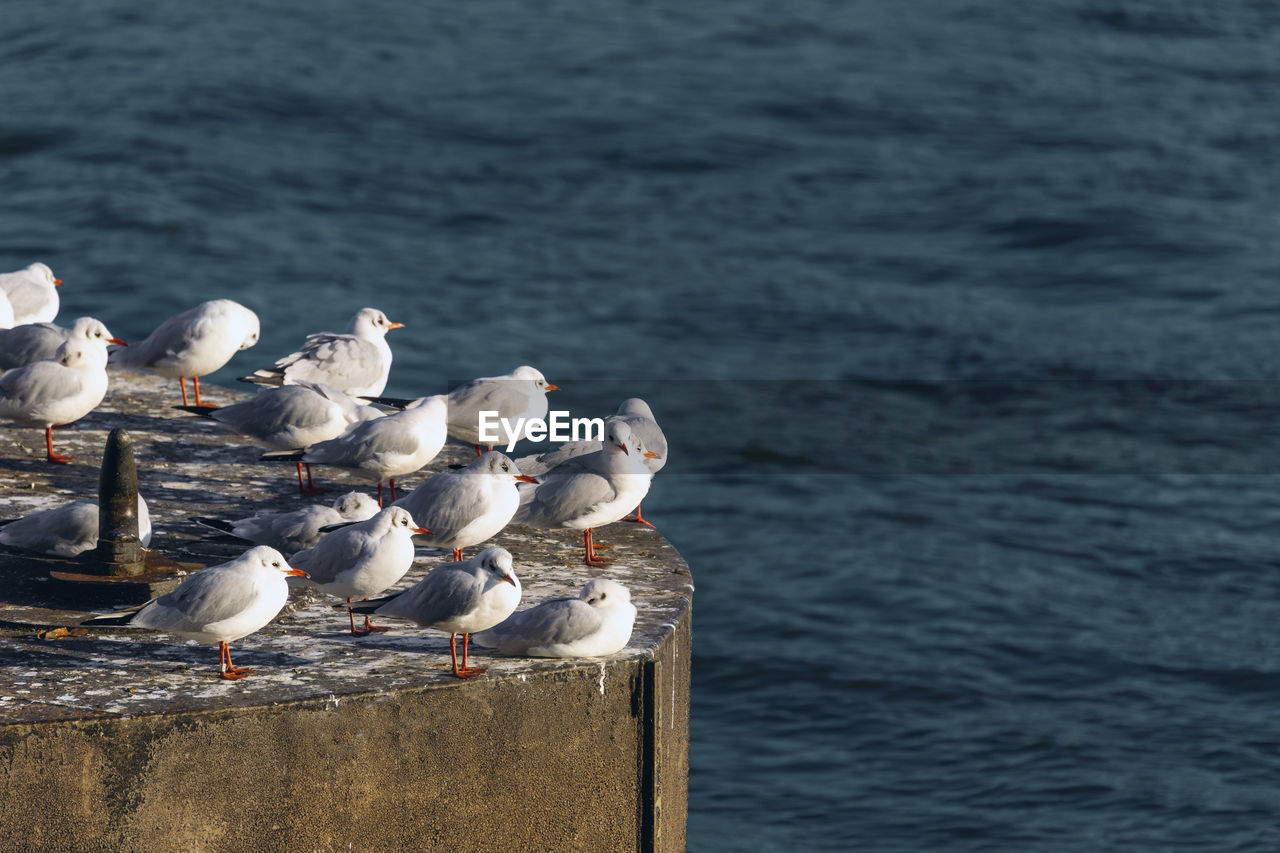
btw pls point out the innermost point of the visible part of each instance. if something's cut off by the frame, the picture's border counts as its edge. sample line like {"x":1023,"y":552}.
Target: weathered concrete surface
{"x":124,"y":740}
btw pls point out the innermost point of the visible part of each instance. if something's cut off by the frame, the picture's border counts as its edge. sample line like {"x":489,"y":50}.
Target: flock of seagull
{"x":322,"y":406}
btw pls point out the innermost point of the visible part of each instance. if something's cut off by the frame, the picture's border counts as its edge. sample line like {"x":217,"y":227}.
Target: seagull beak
{"x":649,"y":454}
{"x":296,"y":573}
{"x":421,"y":530}
{"x":525,"y":478}
{"x":117,"y":342}
{"x":57,"y":282}
{"x":395,"y":325}
{"x":509,"y":579}
{"x":551,"y":387}
{"x":623,"y":448}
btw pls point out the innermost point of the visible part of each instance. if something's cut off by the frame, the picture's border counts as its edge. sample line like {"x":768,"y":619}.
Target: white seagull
{"x":520,"y":394}
{"x":357,"y":363}
{"x":467,"y":506}
{"x":194,"y":343}
{"x":597,"y":622}
{"x":383,"y":448}
{"x":290,"y":417}
{"x":636,"y":414}
{"x":362,"y":559}
{"x":65,"y":531}
{"x":55,"y":392}
{"x":290,"y":532}
{"x":33,"y":342}
{"x":590,"y":491}
{"x":459,"y":598}
{"x":32,"y":293}
{"x":217,"y":605}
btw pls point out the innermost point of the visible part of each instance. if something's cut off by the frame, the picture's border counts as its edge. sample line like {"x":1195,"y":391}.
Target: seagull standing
{"x":383,"y":448}
{"x":32,"y":294}
{"x":290,"y":417}
{"x":32,"y":342}
{"x":362,"y":559}
{"x":217,"y":605}
{"x":66,"y":530}
{"x":636,"y":414}
{"x":357,"y":363}
{"x":597,"y":622}
{"x":589,"y":491}
{"x":55,"y":392}
{"x":290,"y":532}
{"x":520,"y":394}
{"x":459,"y":598}
{"x":467,"y":506}
{"x":194,"y":343}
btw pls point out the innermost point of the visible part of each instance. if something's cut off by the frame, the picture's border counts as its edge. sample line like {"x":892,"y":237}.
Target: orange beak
{"x":421,"y":530}
{"x":395,"y":326}
{"x":295,"y":573}
{"x":551,"y":387}
{"x":117,"y":342}
{"x":57,"y":282}
{"x":525,"y":478}
{"x":509,"y":579}
{"x":649,"y":454}
{"x":623,"y":448}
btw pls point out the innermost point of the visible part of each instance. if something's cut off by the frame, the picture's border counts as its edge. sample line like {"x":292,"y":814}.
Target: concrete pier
{"x":124,"y":740}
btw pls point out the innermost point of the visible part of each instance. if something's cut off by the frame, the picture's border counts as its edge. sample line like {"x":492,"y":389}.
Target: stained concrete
{"x":124,"y":740}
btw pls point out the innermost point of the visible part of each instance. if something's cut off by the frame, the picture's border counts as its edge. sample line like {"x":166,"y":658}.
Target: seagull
{"x":590,"y":491}
{"x":637,"y":415}
{"x":468,"y":506}
{"x":55,"y":392}
{"x":218,"y":604}
{"x":65,"y":531}
{"x":459,"y":598}
{"x":520,"y":394}
{"x":31,"y":293}
{"x":290,"y":532}
{"x":383,"y":448}
{"x":290,"y":417}
{"x":362,"y":559}
{"x":33,"y":342}
{"x":194,"y":343}
{"x":357,"y":363}
{"x":597,"y":622}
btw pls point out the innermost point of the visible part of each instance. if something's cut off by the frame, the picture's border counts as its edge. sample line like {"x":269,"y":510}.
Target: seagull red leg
{"x":591,"y":559}
{"x":462,"y":672}
{"x":457,"y":555}
{"x":638,"y":518}
{"x":182,"y":383}
{"x":229,"y":670}
{"x":54,"y":457}
{"x":393,"y":489}
{"x":469,"y":671}
{"x":310,"y":488}
{"x":369,"y":627}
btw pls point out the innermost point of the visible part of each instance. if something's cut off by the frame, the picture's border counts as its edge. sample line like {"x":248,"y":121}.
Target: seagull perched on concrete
{"x":194,"y":343}
{"x":459,"y":598}
{"x":383,"y":448}
{"x":66,"y":530}
{"x":290,"y":417}
{"x":32,"y":293}
{"x":357,"y":363}
{"x":467,"y":506}
{"x":56,"y":392}
{"x":636,"y":414}
{"x":32,"y":342}
{"x":591,"y":490}
{"x":597,"y":622}
{"x":290,"y":532}
{"x":217,"y":605}
{"x":362,"y":559}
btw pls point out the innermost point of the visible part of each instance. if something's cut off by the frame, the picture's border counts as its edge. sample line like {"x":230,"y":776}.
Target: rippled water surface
{"x":1038,"y":615}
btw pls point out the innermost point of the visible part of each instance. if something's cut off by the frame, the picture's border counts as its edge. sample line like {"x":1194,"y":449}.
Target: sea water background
{"x":931,"y":615}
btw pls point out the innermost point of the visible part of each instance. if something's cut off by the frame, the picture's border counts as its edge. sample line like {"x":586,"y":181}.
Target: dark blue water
{"x":1038,"y":615}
